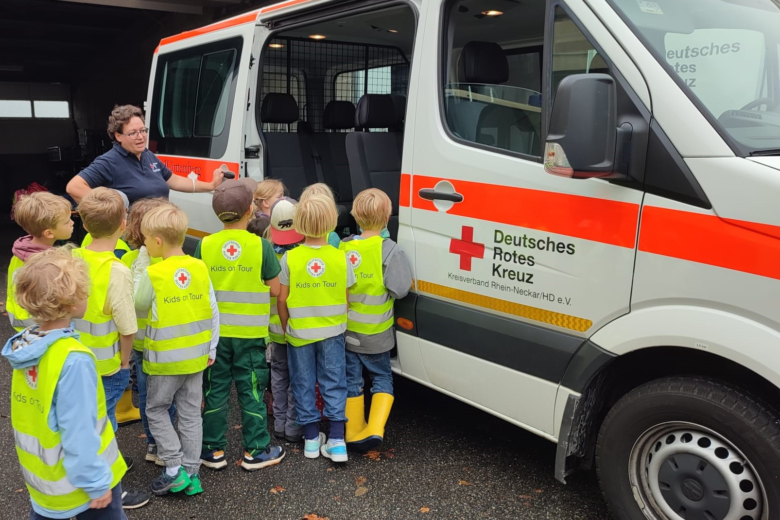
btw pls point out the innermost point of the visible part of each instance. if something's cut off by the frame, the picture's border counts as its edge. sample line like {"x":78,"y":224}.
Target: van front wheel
{"x":686,"y":448}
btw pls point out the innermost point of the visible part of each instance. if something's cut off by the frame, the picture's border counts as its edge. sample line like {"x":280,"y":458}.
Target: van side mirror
{"x":583,"y":129}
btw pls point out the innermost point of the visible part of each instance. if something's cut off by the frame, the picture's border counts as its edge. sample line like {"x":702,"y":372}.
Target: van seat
{"x":375,"y":157}
{"x":331,"y":146}
{"x":288,"y":155}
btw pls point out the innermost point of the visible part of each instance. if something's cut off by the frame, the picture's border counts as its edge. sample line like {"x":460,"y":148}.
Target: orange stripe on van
{"x":709,"y":239}
{"x":203,"y":167}
{"x":600,"y":220}
{"x":405,"y":196}
{"x":291,"y":3}
{"x":240,"y":20}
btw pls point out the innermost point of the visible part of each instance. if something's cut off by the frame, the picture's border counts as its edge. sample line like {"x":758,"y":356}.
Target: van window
{"x":572,"y":52}
{"x":193,"y":93}
{"x":493,"y":77}
{"x":724,"y":54}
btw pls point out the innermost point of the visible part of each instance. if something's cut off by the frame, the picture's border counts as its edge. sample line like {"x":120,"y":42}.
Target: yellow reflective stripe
{"x":175,"y":355}
{"x":242,"y":297}
{"x":323,"y":311}
{"x":95,"y":329}
{"x":177,"y":331}
{"x":243,"y":320}
{"x":368,"y":299}
{"x":371,"y":318}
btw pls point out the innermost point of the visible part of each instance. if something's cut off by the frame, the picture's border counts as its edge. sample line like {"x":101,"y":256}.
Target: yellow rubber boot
{"x":372,"y":435}
{"x":126,"y":412}
{"x":356,"y":417}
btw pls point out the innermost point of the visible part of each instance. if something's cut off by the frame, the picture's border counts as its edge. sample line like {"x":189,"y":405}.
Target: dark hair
{"x":120,"y":116}
{"x":258,"y":224}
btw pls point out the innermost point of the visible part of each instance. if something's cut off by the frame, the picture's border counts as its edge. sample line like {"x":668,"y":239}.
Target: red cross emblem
{"x":182,"y":278}
{"x":231,"y":250}
{"x":467,"y":248}
{"x":34,"y":374}
{"x":31,"y":376}
{"x":354,"y":259}
{"x":315,"y":267}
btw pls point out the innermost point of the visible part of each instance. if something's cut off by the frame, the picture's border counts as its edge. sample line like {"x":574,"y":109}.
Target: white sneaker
{"x":311,"y":448}
{"x":335,"y":450}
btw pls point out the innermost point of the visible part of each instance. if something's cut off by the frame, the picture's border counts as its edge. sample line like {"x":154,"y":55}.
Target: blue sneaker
{"x":335,"y":450}
{"x":311,"y":448}
{"x":270,"y":456}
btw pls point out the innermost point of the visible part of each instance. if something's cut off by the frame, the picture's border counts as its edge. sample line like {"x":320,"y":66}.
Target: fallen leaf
{"x":312,"y":516}
{"x":463,"y":483}
{"x":525,"y":497}
{"x":142,"y":436}
{"x":277,"y":489}
{"x":359,"y":492}
{"x":425,"y":509}
{"x":237,"y":427}
{"x":360,"y":481}
{"x":336,"y":498}
{"x":238,"y":462}
{"x":295,"y":450}
{"x":389,"y":454}
{"x":330,"y":469}
{"x":20,"y":490}
{"x":5,"y":314}
{"x":332,"y":481}
{"x":538,"y":490}
{"x":465,"y":469}
{"x":527,"y":504}
{"x":373,"y":455}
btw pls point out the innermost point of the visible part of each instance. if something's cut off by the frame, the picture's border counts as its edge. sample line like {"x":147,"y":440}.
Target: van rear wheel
{"x":688,"y":448}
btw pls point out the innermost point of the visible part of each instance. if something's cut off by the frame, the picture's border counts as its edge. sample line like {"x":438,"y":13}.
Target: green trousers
{"x":243,"y":361}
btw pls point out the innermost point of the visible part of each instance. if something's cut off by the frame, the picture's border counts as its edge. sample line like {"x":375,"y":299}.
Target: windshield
{"x":725,"y":54}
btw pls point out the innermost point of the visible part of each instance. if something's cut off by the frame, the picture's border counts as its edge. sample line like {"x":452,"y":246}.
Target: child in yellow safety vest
{"x":69,"y":457}
{"x":46,"y":218}
{"x":181,"y":341}
{"x":245,"y":273}
{"x":383,"y":274}
{"x":135,"y":239}
{"x":312,"y":307}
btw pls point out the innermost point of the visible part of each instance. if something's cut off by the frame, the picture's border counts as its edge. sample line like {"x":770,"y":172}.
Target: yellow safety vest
{"x":178,"y":341}
{"x":120,"y":244}
{"x":38,"y":447}
{"x":275,"y":330}
{"x":234,"y":258}
{"x":318,"y":294}
{"x":370,"y":305}
{"x":97,"y":329}
{"x":140,"y":317}
{"x":20,"y":318}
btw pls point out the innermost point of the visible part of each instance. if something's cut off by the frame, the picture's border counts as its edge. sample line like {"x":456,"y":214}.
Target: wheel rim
{"x":683,"y":471}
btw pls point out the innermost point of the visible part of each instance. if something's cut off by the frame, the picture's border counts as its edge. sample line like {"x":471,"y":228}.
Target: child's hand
{"x":211,"y":362}
{"x":102,"y":502}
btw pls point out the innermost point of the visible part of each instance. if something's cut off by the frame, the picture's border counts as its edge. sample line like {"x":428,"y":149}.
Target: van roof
{"x":251,"y":17}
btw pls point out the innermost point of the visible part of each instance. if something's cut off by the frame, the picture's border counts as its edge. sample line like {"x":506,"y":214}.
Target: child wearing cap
{"x":383,"y":275}
{"x":244,"y":271}
{"x":283,"y":237}
{"x":181,"y":341}
{"x":312,"y":307}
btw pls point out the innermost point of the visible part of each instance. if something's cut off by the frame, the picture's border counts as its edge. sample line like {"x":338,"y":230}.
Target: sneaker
{"x":135,"y":499}
{"x":128,"y":462}
{"x":311,"y":448}
{"x":214,"y":459}
{"x":271,"y":456}
{"x":194,"y":488}
{"x":279,"y":435}
{"x":151,"y":453}
{"x":165,"y":483}
{"x":335,"y":450}
{"x":293,"y":439}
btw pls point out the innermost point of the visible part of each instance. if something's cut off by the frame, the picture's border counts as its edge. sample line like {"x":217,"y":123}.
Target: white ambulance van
{"x":587,"y":190}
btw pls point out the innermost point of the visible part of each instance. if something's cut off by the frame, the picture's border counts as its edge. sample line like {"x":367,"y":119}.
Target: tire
{"x":716,"y":448}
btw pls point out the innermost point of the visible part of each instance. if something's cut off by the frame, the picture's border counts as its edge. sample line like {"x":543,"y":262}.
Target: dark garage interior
{"x":64,"y":64}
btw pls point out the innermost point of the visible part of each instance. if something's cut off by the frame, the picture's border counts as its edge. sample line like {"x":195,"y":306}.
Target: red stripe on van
{"x":203,"y":167}
{"x":709,"y":239}
{"x":405,"y":197}
{"x":282,"y":5}
{"x":606,"y":221}
{"x":240,"y":20}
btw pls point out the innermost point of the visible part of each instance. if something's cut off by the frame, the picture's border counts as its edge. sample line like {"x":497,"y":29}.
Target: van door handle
{"x":429,"y":194}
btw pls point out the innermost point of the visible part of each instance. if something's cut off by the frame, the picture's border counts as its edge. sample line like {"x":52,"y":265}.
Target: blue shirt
{"x":121,"y":170}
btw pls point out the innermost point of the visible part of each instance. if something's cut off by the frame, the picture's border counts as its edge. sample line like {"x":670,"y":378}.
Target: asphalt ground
{"x":440,"y":459}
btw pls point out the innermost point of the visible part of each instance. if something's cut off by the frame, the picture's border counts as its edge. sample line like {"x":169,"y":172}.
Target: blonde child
{"x":312,"y":306}
{"x":181,"y":341}
{"x":266,"y":194}
{"x":53,"y":369}
{"x":135,"y":239}
{"x":383,"y":275}
{"x":45,"y":218}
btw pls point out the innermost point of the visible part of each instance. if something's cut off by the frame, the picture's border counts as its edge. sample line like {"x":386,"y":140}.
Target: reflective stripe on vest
{"x":39,"y":449}
{"x":20,"y":318}
{"x":235,"y":261}
{"x":275,"y":330}
{"x":178,"y":342}
{"x":318,"y":294}
{"x":140,"y":317}
{"x":97,"y":330}
{"x":370,"y":305}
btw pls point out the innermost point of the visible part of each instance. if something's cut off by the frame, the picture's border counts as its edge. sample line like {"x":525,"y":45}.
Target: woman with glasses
{"x":130,"y":167}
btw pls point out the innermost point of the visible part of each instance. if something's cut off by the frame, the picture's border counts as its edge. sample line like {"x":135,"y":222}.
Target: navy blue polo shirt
{"x":121,"y":170}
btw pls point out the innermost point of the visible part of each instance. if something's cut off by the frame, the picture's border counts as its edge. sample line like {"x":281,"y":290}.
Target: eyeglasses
{"x":135,"y":133}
